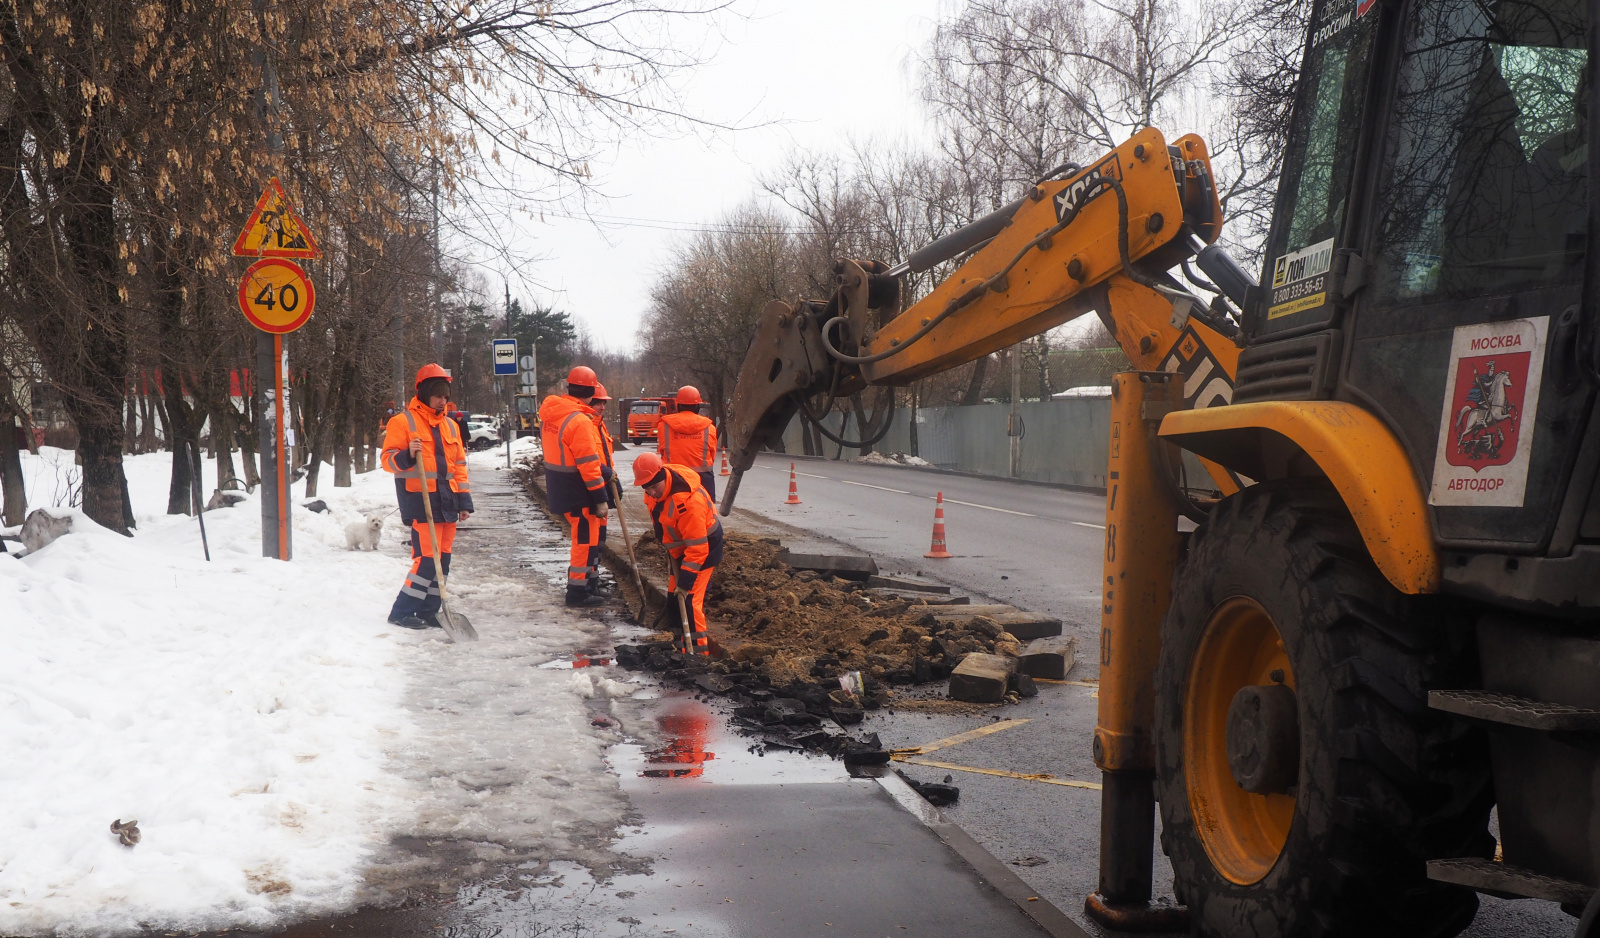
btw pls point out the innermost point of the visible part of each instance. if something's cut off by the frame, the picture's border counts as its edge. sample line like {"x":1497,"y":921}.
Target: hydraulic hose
{"x":997,"y":281}
{"x":883,"y":431}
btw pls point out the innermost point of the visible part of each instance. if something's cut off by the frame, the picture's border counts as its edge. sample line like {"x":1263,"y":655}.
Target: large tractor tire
{"x":1303,"y":781}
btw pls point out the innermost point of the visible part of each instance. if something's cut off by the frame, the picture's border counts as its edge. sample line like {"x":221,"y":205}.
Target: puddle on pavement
{"x":688,"y":740}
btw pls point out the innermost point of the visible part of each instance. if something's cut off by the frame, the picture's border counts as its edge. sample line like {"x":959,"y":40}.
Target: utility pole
{"x":277,"y":538}
{"x":1014,"y":418}
{"x":511,"y":387}
{"x":433,"y":286}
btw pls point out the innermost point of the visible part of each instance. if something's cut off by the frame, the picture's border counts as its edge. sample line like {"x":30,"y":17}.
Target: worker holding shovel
{"x":687,"y":525}
{"x":422,"y":446}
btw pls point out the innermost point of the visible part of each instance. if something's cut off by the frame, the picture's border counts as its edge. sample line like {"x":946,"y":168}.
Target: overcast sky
{"x":827,"y":71}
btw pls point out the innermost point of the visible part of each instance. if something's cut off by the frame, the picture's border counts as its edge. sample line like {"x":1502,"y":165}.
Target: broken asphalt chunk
{"x":1051,"y":657}
{"x":981,"y":678}
{"x":840,"y":565}
{"x":937,"y":794}
{"x":714,"y":683}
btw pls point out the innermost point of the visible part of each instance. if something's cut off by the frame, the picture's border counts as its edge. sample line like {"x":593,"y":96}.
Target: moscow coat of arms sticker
{"x":1490,"y":404}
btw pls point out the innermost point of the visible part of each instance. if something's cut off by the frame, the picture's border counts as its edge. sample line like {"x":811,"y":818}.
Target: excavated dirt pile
{"x":798,"y":627}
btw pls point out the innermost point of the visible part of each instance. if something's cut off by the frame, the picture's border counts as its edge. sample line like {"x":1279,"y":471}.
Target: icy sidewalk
{"x":286,"y":752}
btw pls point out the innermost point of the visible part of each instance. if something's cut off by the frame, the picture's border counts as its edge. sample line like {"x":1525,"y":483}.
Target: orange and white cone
{"x":937,"y":551}
{"x":724,"y":471}
{"x":794,"y":493}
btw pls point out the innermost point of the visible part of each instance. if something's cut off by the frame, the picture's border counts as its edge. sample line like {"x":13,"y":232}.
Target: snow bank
{"x":892,"y":459}
{"x":271,"y":733}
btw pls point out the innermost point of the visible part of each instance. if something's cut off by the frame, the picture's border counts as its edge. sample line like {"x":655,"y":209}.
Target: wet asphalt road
{"x":725,"y":840}
{"x":723,"y":837}
{"x":1039,"y":548}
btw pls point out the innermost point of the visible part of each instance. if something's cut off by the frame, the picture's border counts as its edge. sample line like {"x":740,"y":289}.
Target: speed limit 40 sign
{"x":276,"y":295}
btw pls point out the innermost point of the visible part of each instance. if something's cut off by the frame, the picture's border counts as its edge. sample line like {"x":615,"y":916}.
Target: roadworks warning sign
{"x":274,"y":230}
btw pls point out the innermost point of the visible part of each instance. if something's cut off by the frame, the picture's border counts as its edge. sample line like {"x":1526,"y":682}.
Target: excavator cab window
{"x":1485,"y":185}
{"x":1315,"y":191}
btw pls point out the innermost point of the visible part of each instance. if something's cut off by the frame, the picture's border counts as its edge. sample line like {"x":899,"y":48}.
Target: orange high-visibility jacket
{"x":608,"y":451}
{"x":573,"y":454}
{"x":686,"y":521}
{"x":442,"y":457}
{"x":688,"y":440}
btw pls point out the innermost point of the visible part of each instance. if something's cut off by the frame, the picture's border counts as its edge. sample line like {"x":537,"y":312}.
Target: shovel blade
{"x":456,"y":626}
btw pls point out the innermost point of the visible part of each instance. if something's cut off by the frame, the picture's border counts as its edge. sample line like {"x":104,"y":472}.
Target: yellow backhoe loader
{"x":1386,"y":621}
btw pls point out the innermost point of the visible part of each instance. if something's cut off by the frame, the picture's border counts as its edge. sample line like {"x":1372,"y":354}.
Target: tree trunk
{"x":222,"y":427}
{"x":104,"y":486}
{"x":130,"y":422}
{"x":974,"y":395}
{"x":911,"y":427}
{"x":179,"y":424}
{"x":166,"y":424}
{"x":147,"y":419}
{"x":1044,"y":369}
{"x":11,"y":487}
{"x":341,"y":452}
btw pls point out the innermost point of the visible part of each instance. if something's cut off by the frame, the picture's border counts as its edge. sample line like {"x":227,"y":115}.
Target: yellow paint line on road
{"x":968,"y":736}
{"x":1041,"y":777}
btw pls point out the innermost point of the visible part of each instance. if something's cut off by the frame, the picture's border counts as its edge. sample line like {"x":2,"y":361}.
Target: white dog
{"x":358,"y":534}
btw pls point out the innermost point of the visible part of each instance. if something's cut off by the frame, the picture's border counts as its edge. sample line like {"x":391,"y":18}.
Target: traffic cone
{"x":724,"y":471}
{"x":937,"y":551}
{"x":794,"y":493}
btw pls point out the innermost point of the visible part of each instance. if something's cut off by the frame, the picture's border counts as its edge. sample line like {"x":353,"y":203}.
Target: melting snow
{"x":274,"y":737}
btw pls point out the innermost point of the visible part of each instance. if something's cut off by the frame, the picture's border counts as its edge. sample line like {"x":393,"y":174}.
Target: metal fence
{"x":1064,"y":441}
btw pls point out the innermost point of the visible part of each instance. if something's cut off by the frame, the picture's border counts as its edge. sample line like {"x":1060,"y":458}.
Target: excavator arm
{"x":1099,"y":238}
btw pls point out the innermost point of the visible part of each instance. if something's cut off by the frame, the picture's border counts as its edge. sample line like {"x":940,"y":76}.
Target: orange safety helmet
{"x":583,"y":375}
{"x":688,"y":394}
{"x":646,"y":466}
{"x":430,"y":370}
{"x":600,"y":393}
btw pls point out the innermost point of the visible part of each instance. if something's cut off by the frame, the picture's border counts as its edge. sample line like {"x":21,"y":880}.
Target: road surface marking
{"x":878,"y":487}
{"x":1008,"y":511}
{"x":1085,"y":524}
{"x":808,"y":475}
{"x":969,"y":735}
{"x":1021,"y":776}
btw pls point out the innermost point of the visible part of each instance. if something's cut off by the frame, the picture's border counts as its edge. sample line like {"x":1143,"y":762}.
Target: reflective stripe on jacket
{"x":573,"y":454}
{"x":686,"y":521}
{"x":688,"y":440}
{"x":442,"y":457}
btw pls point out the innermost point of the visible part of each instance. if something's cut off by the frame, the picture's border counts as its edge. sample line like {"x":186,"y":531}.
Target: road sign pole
{"x":284,"y":547}
{"x":267,"y":348}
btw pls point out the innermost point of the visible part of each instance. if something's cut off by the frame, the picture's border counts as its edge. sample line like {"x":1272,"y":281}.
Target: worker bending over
{"x":423,"y":441}
{"x":689,"y":440}
{"x":574,"y":460}
{"x":686,"y":523}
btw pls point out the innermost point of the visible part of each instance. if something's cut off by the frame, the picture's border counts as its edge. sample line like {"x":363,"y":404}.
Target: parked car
{"x":482,"y":434}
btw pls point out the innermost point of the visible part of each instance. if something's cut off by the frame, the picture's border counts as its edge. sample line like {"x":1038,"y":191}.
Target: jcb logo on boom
{"x":1086,"y":188}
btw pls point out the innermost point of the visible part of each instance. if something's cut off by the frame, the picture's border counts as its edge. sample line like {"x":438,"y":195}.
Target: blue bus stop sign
{"x":505,"y":356}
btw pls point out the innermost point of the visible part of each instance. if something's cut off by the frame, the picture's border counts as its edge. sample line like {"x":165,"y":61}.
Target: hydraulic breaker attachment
{"x":788,"y":361}
{"x":1141,"y":553}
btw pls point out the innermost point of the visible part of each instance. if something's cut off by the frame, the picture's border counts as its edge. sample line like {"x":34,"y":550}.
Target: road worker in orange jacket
{"x":686,"y":523}
{"x":424,"y":441}
{"x":575,"y":473}
{"x":689,"y":440}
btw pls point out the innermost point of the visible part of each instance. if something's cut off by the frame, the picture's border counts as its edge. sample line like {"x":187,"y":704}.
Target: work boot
{"x":583,"y":599}
{"x":410,"y":622}
{"x":432,"y":621}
